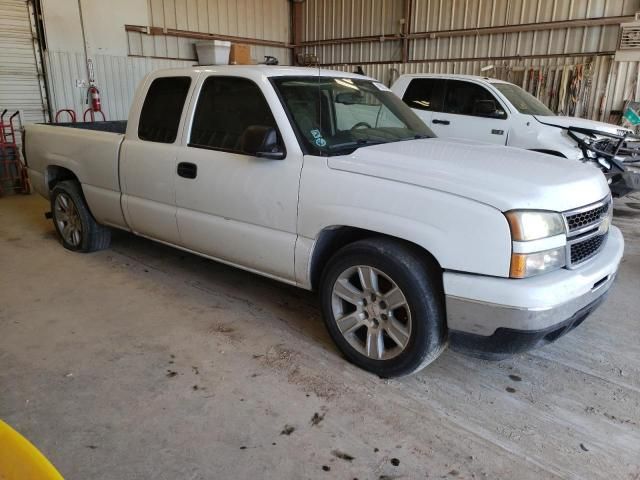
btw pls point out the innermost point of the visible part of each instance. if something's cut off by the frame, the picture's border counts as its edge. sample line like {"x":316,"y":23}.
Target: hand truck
{"x":13,"y":174}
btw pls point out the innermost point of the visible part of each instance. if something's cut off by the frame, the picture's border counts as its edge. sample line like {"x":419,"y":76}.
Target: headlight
{"x":608,"y":218}
{"x":528,"y":264}
{"x":533,"y":224}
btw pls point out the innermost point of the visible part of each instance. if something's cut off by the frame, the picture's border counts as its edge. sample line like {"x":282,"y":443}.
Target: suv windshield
{"x":335,"y":116}
{"x":522,"y":100}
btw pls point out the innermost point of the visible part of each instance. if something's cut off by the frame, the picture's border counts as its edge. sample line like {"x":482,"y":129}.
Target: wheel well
{"x":333,"y":239}
{"x":548,"y":152}
{"x":57,"y":174}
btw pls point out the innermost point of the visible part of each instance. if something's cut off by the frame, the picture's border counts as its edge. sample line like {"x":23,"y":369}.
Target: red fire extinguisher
{"x":93,"y":94}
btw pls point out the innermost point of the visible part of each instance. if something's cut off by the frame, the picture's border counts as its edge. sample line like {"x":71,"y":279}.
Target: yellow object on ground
{"x":20,"y":460}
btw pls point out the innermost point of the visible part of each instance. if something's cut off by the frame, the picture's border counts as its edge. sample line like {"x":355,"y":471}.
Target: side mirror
{"x":261,"y":141}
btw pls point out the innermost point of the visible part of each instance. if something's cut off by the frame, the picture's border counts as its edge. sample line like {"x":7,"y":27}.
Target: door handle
{"x":187,"y":170}
{"x":441,"y":122}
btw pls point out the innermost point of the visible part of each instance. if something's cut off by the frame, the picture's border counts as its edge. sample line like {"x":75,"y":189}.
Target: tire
{"x":76,"y":227}
{"x":391,"y":341}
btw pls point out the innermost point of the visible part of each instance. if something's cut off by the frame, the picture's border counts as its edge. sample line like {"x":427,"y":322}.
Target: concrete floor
{"x":143,"y":362}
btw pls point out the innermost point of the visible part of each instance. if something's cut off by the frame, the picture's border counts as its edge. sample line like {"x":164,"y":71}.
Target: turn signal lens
{"x":518,"y":265}
{"x":525,"y":265}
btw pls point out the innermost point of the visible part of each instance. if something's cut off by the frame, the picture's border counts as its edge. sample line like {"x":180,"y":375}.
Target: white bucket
{"x":213,"y":52}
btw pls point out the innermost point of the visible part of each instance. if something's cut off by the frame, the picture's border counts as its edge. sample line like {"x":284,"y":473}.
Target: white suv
{"x":494,"y":111}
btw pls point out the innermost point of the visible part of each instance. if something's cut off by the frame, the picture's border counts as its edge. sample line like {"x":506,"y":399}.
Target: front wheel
{"x":73,"y":221}
{"x":382,"y":302}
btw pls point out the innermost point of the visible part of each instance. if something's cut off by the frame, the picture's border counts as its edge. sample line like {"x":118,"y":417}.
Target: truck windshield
{"x":335,"y":116}
{"x":522,"y":100}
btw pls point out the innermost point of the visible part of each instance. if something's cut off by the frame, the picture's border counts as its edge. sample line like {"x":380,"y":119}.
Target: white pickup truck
{"x":327,"y":181}
{"x":494,"y":111}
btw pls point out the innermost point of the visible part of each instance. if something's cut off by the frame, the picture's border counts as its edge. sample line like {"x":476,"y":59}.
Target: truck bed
{"x":112,"y":126}
{"x":89,"y":150}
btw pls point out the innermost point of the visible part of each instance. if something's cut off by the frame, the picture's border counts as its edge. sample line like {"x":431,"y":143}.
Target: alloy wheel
{"x":371,"y":312}
{"x":68,"y":219}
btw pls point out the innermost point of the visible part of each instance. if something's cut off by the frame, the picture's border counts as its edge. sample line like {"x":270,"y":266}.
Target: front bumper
{"x":507,"y":316}
{"x":507,"y":341}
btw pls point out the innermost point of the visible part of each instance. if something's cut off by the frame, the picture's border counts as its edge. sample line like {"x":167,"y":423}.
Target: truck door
{"x":232,"y":206}
{"x":425,"y":96}
{"x":471,"y":112}
{"x":148,"y":158}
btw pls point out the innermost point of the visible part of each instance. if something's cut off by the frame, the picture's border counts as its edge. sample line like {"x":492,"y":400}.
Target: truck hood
{"x":503,"y":177}
{"x":565,"y":122}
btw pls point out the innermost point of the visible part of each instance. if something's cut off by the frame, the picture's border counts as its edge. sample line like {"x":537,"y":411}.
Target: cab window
{"x":162,"y":109}
{"x":227,"y":106}
{"x":466,"y":98}
{"x":425,"y":94}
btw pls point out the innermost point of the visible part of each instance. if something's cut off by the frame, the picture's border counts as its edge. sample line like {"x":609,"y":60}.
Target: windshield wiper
{"x":417,"y":136}
{"x":353,"y":144}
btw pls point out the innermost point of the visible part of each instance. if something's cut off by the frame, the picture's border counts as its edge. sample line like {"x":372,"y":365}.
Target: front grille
{"x":580,"y":220}
{"x":587,"y":230}
{"x":581,"y":251}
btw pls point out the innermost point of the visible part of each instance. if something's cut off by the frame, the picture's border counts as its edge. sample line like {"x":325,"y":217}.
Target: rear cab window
{"x":162,"y":109}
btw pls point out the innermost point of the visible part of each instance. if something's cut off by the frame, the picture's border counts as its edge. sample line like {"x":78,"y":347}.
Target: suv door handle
{"x":187,"y":170}
{"x":441,"y":122}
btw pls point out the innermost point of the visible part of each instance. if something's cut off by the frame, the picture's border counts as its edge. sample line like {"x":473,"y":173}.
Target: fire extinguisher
{"x":93,"y":94}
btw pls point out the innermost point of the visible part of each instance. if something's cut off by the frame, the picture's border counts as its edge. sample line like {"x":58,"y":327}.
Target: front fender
{"x":538,"y":137}
{"x":557,"y":140}
{"x":462,"y":234}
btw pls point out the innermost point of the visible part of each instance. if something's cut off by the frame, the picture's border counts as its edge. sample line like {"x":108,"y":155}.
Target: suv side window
{"x":162,"y":109}
{"x":466,"y":98}
{"x":425,"y":94}
{"x":227,"y":106}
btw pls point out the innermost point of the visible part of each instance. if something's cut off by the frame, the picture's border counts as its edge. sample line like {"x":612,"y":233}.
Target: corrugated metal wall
{"x":257,"y":19}
{"x":433,"y":16}
{"x":263,"y":19}
{"x":174,"y":47}
{"x":610,"y":82}
{"x":117,"y":77}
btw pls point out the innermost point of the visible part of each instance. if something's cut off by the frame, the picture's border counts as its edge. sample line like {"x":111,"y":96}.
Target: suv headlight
{"x":531,"y":225}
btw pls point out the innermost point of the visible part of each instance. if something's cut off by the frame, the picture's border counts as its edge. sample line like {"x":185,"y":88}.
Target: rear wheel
{"x":383,"y":306}
{"x":75,"y":225}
